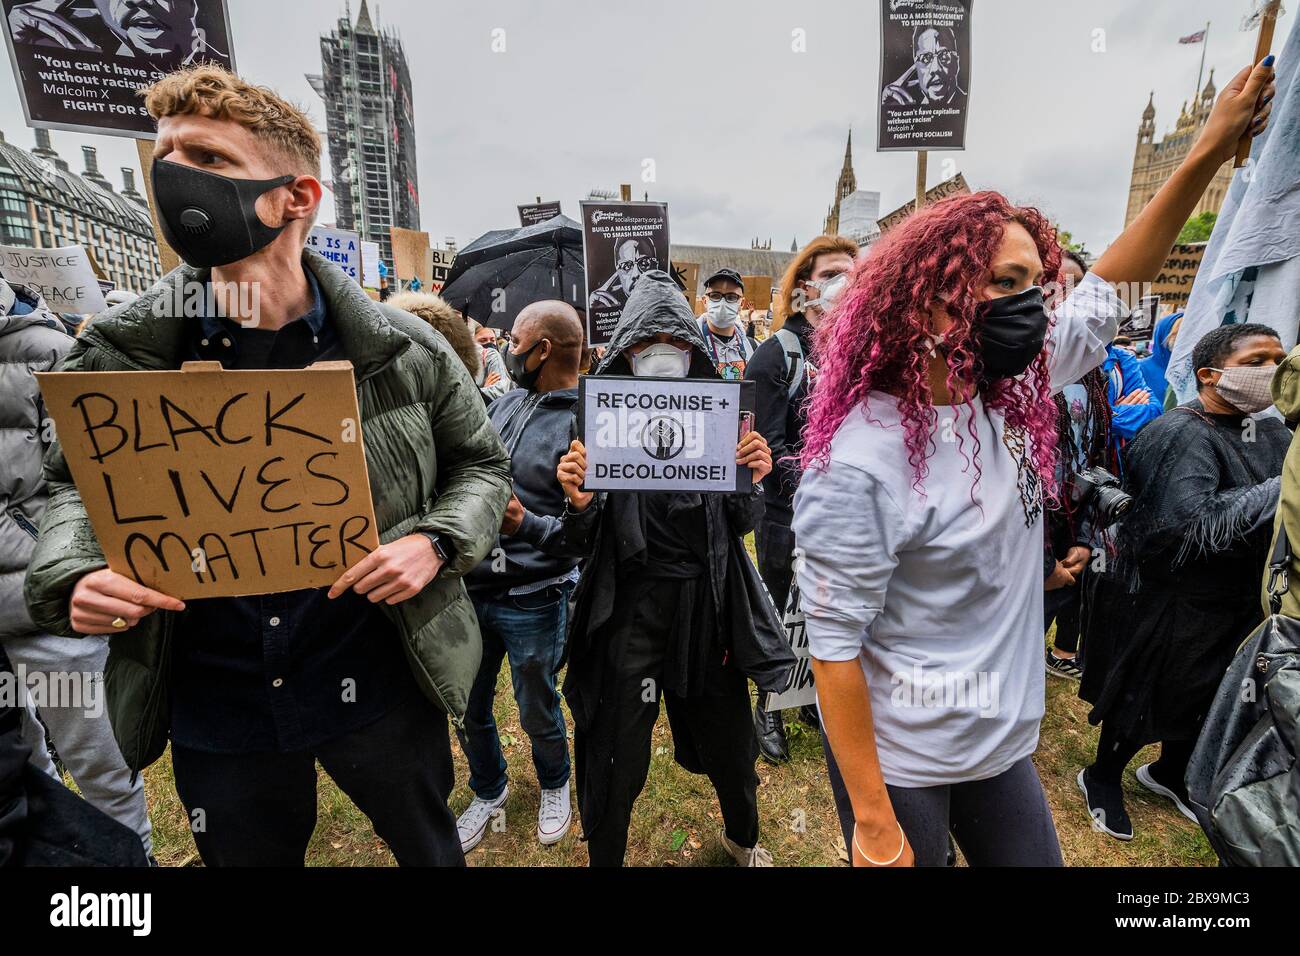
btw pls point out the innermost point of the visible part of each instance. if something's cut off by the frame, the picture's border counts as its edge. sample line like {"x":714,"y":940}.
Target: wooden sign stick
{"x":1267,"y":23}
{"x":166,"y":254}
{"x":922,"y":162}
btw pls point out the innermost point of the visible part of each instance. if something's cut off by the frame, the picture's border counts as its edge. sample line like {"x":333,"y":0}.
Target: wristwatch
{"x":442,"y":546}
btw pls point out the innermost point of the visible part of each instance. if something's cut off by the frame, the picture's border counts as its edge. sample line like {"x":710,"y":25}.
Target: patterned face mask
{"x":1248,"y":388}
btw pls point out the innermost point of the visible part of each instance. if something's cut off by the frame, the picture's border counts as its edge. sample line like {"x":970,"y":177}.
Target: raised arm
{"x":1136,"y":256}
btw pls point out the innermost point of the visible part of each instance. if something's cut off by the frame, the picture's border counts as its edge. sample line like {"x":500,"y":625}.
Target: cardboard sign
{"x":925,"y":68}
{"x":64,"y":277}
{"x":411,"y":254}
{"x":340,"y":247}
{"x":801,"y":690}
{"x":620,"y":242}
{"x":534,"y":213}
{"x":758,"y":291}
{"x":81,"y":65}
{"x":369,"y":264}
{"x":688,"y":273}
{"x":949,"y":187}
{"x":663,"y":434}
{"x":208,"y":483}
{"x":440,"y":261}
{"x":1178,"y":275}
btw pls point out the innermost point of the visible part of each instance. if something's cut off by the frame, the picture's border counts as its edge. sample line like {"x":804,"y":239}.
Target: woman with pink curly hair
{"x":928,"y":454}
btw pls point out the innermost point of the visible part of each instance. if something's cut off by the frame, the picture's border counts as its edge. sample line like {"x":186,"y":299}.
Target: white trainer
{"x":554,"y":816}
{"x":1144,"y":777}
{"x":473,"y":823}
{"x":747,"y":856}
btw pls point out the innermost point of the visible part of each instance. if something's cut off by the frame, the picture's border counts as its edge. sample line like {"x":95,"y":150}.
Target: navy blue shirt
{"x":288,"y":671}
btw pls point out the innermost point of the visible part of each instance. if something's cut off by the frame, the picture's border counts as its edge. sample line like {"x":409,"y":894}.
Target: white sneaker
{"x":554,"y":815}
{"x":1155,"y":786}
{"x":747,"y":856}
{"x":473,"y":823}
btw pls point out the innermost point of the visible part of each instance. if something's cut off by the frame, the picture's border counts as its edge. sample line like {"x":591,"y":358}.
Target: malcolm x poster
{"x":621,"y":241}
{"x":925,"y":53}
{"x":80,"y":63}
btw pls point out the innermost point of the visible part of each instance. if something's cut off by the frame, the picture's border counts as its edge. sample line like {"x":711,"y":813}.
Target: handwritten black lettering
{"x":272,"y":421}
{"x":92,"y":429}
{"x":168,"y":406}
{"x":319,"y":474}
{"x":227,"y":503}
{"x":112,"y":503}
{"x":272,"y":485}
{"x":317,"y":545}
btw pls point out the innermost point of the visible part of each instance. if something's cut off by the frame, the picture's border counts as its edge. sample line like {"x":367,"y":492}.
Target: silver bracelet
{"x":890,"y":862}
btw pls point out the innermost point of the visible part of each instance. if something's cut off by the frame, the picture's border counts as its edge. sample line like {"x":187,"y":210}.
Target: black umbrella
{"x":500,"y":272}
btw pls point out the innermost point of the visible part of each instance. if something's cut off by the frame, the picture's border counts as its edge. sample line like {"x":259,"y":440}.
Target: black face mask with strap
{"x":211,"y":220}
{"x":1012,"y":331}
{"x":520,"y":374}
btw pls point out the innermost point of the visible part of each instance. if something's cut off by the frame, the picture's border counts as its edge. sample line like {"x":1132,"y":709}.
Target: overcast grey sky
{"x":747,"y":136}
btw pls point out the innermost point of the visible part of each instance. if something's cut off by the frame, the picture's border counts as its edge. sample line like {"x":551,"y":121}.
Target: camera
{"x":1099,"y":488}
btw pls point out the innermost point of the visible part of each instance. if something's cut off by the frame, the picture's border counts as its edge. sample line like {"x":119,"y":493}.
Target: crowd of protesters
{"x":952,"y":455}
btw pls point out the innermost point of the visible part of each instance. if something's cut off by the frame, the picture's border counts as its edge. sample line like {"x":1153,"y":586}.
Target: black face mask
{"x":516,"y":365}
{"x":211,"y":220}
{"x":1012,"y":331}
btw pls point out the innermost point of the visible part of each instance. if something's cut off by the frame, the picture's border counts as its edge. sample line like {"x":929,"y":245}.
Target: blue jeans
{"x":529,"y":630}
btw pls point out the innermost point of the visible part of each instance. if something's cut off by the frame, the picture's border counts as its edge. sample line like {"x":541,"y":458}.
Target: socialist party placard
{"x":925,"y":68}
{"x":534,"y":213}
{"x":80,"y":64}
{"x":663,"y":434}
{"x":621,"y":241}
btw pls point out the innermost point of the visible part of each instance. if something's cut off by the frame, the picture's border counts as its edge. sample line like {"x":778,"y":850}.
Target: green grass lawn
{"x":677,"y":822}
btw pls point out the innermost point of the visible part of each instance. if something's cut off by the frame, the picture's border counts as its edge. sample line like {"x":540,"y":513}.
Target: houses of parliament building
{"x":1154,"y":162}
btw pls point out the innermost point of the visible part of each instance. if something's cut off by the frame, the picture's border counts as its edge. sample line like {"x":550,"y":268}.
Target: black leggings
{"x":1115,"y":752}
{"x":1062,"y":606}
{"x":1001,"y":821}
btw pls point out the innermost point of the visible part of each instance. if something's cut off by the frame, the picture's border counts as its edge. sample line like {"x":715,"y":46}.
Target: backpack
{"x":1242,"y":780}
{"x":794,"y":361}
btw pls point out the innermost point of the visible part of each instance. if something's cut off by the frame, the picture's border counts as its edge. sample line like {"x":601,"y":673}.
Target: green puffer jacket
{"x":435,"y":464}
{"x":1286,"y":396}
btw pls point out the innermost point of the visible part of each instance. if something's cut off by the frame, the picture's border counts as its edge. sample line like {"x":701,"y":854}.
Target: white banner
{"x":801,"y":690}
{"x":62,"y":276}
{"x":340,"y":247}
{"x":369,"y":264}
{"x":663,"y":434}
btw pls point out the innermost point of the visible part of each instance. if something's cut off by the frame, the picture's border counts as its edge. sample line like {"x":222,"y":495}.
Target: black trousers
{"x":999,"y":821}
{"x":1062,"y":606}
{"x":774,"y":545}
{"x":260,"y":809}
{"x":714,"y":730}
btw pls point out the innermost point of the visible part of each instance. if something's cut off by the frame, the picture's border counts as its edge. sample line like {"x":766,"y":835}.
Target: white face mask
{"x":661,"y":360}
{"x":722,"y":314}
{"x":831,"y":289}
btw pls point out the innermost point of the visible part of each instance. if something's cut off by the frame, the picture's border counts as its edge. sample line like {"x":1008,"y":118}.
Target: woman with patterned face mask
{"x":1183,"y":591}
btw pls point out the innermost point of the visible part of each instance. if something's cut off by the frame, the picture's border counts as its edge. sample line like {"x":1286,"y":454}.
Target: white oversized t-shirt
{"x":939,"y":591}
